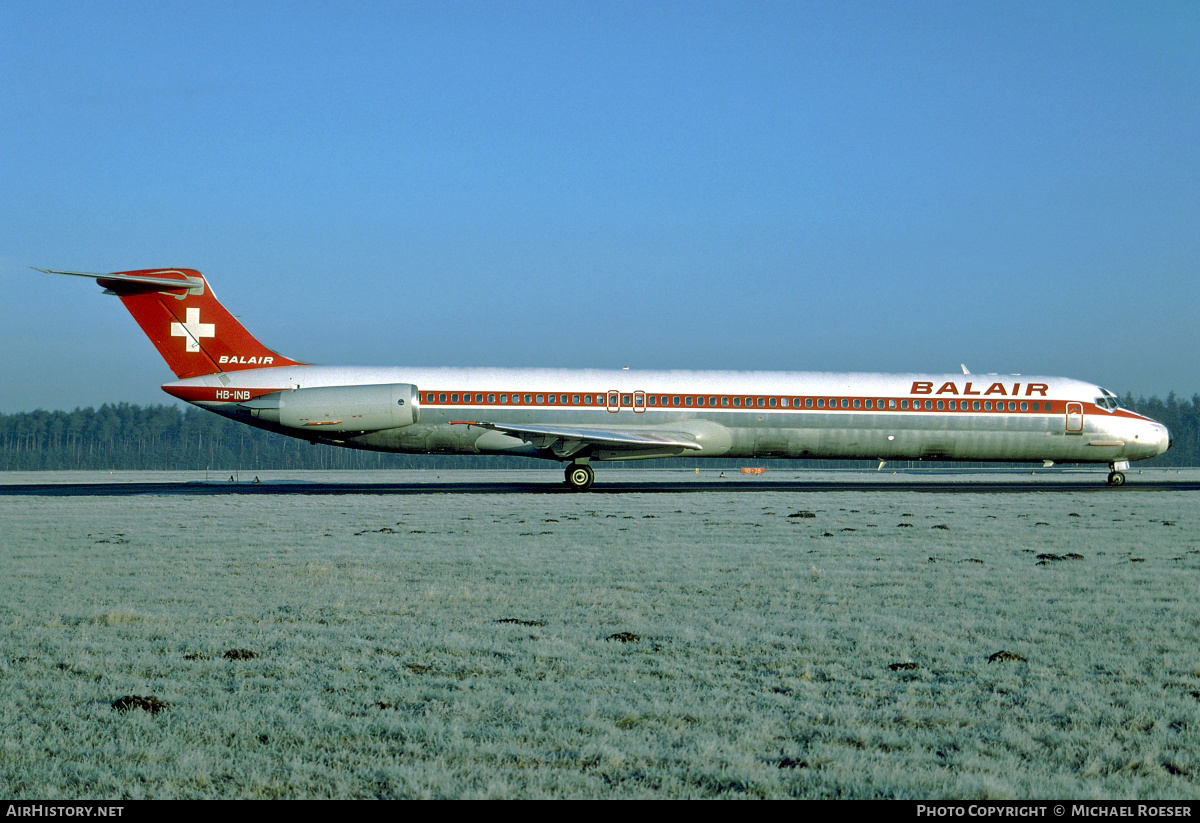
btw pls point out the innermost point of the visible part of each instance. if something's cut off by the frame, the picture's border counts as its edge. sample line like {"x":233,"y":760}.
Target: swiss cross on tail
{"x":170,"y":304}
{"x":193,"y":330}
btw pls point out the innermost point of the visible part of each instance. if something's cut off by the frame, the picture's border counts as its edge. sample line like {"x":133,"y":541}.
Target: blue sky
{"x":882,"y":186}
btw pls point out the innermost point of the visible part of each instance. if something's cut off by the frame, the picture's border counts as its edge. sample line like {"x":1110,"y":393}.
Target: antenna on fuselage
{"x":963,"y":366}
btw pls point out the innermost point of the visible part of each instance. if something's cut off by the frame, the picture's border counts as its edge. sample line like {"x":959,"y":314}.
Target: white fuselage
{"x":725,"y":413}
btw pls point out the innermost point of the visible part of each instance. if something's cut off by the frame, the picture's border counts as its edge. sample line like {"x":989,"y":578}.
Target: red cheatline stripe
{"x":750,"y":402}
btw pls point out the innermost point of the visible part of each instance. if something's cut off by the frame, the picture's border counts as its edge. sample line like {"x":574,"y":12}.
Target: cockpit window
{"x":1108,"y":401}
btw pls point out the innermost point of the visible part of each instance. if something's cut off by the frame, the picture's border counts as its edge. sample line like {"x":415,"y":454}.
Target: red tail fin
{"x":193,"y":332}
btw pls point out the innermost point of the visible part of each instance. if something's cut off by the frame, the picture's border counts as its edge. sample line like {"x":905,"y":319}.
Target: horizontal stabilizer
{"x":160,"y":280}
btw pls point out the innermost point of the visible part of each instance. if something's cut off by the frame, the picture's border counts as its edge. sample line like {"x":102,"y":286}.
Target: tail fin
{"x":178,"y":311}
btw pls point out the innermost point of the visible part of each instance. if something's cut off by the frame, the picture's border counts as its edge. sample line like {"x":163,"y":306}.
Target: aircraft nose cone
{"x":1165,"y":440}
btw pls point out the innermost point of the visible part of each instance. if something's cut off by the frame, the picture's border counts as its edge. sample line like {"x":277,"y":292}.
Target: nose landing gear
{"x":1116,"y":474}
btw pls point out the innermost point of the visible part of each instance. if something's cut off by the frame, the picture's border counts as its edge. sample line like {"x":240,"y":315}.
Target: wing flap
{"x":545,"y":436}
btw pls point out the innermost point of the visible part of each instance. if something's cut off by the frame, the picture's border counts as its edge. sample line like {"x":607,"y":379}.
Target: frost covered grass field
{"x":774,"y":644}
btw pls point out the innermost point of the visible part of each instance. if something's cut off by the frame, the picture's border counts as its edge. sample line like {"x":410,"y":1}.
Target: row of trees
{"x":125,"y":436}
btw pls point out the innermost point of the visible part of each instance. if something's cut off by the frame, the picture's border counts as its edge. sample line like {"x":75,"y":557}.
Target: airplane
{"x":580,"y":416}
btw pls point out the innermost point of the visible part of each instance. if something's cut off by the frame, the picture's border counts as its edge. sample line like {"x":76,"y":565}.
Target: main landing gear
{"x":580,"y":476}
{"x":1116,"y":475}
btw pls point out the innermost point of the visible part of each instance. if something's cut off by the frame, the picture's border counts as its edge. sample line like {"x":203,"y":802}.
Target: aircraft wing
{"x":566,"y":440}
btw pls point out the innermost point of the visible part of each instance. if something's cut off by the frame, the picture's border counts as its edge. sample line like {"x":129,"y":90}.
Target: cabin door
{"x":1074,"y":418}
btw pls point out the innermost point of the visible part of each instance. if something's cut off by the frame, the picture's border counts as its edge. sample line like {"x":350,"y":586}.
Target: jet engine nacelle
{"x":340,"y":408}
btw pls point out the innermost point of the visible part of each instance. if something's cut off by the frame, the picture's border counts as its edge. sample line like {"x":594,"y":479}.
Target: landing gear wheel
{"x":1116,"y":479}
{"x":580,"y":476}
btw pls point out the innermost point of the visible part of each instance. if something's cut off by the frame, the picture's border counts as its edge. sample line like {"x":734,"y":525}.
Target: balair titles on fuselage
{"x":1010,"y":390}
